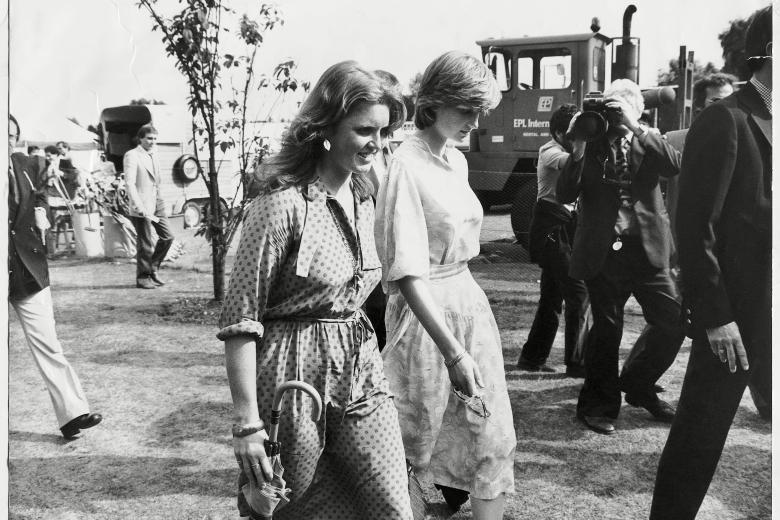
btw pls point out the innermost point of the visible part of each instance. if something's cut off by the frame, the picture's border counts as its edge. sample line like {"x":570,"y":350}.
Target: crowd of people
{"x":352,"y":276}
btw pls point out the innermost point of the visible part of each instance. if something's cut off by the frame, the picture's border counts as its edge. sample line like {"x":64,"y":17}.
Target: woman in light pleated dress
{"x":443,"y":355}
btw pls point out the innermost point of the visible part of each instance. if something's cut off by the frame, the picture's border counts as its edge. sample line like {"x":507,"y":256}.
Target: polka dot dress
{"x":294,"y":288}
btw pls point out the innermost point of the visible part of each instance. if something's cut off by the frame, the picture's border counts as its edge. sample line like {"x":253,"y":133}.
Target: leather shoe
{"x":659,"y":409}
{"x":527,"y":366}
{"x":454,"y":497}
{"x":82,"y":422}
{"x":145,"y":283}
{"x":575,"y":371}
{"x":602,"y":425}
{"x":156,"y":279}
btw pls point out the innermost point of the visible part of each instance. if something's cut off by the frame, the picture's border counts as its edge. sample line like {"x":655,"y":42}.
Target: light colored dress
{"x":428,"y":224}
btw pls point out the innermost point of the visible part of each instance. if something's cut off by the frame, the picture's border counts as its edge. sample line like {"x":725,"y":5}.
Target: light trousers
{"x":36,"y":315}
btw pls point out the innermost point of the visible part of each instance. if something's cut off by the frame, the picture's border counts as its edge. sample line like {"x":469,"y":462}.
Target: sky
{"x":76,"y":57}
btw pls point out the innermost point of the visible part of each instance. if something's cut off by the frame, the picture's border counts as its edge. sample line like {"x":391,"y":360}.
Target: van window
{"x":499,"y":64}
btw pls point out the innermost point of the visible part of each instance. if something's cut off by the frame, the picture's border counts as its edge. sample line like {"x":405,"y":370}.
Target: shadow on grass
{"x":158,"y":359}
{"x":92,"y":287}
{"x":203,"y":420}
{"x":16,"y":435}
{"x":546,"y":414}
{"x":109,"y":478}
{"x":738,"y":481}
{"x":750,"y":420}
{"x":213,"y":380}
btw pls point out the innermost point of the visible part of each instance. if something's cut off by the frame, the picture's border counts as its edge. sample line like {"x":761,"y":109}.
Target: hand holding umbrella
{"x":258,"y":455}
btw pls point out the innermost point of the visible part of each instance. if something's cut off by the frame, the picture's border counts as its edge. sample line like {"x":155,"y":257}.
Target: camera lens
{"x":589,"y":126}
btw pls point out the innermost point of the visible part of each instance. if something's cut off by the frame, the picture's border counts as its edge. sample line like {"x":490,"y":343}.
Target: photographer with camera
{"x":621,"y":247}
{"x":550,"y":238}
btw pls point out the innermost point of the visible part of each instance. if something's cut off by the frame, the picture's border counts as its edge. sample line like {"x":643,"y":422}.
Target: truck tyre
{"x":484,"y":199}
{"x":193,"y":214}
{"x":522,"y":209}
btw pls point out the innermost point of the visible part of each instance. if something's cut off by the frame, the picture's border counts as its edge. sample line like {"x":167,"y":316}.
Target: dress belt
{"x":438,"y":271}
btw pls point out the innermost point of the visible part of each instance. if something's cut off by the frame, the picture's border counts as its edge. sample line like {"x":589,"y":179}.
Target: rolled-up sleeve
{"x":264,"y":245}
{"x":400,"y":229}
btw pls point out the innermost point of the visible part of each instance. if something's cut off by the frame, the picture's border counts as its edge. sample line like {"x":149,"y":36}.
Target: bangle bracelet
{"x":242,"y":430}
{"x":454,"y":361}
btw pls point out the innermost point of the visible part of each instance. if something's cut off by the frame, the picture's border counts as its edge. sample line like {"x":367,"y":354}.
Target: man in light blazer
{"x":142,"y":175}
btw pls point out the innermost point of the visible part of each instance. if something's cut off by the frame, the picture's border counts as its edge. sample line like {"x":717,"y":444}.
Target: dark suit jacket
{"x":651,"y":157}
{"x":725,"y":216}
{"x":28,"y":271}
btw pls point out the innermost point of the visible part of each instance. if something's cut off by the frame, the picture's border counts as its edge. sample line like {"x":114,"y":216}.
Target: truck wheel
{"x":193,"y":214}
{"x":484,"y":199}
{"x":522,"y":209}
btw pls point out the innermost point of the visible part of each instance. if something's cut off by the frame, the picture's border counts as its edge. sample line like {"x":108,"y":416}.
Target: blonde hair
{"x":455,"y":79}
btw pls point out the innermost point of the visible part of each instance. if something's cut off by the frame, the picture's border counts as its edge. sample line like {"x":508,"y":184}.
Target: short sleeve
{"x":265,"y":242}
{"x":554,"y":158}
{"x":400,"y":229}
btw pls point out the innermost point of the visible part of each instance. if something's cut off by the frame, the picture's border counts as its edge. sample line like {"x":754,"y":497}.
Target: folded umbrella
{"x":264,"y":500}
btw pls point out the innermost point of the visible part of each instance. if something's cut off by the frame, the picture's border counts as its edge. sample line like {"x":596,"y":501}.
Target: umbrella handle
{"x":276,"y":411}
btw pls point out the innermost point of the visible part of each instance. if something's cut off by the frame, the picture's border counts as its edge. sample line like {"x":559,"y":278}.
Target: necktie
{"x":621,"y":159}
{"x":154,"y":168}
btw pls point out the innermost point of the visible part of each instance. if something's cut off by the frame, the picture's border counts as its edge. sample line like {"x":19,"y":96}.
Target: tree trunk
{"x":215,"y":223}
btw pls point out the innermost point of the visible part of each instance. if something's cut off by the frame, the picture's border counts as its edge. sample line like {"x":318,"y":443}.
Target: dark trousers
{"x":149,"y":255}
{"x":708,"y":402}
{"x":555,"y":288}
{"x":624,"y":273}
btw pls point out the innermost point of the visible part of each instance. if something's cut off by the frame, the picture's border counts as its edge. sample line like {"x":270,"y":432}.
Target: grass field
{"x":149,"y":361}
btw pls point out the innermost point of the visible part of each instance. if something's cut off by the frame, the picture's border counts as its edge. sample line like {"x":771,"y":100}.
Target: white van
{"x":182,"y":187}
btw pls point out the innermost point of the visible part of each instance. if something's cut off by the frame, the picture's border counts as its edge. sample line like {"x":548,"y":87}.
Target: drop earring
{"x":326,"y":145}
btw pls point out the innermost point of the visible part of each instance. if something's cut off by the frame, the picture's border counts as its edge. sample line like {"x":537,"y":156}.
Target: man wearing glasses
{"x":622,"y":247}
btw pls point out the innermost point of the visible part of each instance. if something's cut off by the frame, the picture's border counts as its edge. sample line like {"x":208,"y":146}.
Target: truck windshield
{"x":544,"y":69}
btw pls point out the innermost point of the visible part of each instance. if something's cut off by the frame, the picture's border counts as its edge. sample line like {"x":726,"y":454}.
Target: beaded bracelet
{"x":242,"y":430}
{"x":454,"y":361}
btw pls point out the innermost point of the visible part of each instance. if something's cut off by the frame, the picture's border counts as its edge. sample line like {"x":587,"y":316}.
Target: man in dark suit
{"x":724,"y":229}
{"x":622,"y":247}
{"x":28,"y":288}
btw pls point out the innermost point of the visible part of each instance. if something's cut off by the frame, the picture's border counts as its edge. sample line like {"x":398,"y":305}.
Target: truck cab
{"x":535,"y":75}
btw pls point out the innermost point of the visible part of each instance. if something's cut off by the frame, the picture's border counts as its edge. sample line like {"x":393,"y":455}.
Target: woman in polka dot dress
{"x":304,"y":267}
{"x":443,"y":354}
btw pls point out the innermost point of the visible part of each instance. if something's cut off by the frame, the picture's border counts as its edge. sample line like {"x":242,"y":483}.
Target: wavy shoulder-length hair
{"x":458,"y":80}
{"x":340,"y":89}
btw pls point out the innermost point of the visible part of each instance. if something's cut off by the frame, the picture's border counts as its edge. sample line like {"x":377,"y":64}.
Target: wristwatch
{"x":242,"y":430}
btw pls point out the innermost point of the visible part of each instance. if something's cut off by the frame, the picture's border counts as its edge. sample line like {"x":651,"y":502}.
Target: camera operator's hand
{"x":577,"y":144}
{"x":626,"y":111}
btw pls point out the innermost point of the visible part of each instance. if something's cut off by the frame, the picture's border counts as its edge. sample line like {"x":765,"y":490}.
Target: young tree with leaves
{"x":194,"y":38}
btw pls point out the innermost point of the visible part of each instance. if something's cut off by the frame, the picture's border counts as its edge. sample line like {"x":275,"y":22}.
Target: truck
{"x":182,"y":188}
{"x":538,"y":74}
